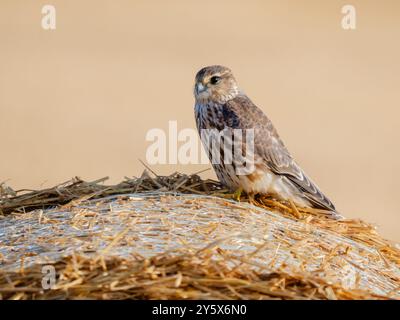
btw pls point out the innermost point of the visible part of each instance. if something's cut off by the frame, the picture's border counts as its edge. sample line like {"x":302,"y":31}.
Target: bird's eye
{"x":215,"y":79}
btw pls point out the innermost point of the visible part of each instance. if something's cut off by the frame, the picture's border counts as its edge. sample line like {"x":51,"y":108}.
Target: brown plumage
{"x":220,"y":105}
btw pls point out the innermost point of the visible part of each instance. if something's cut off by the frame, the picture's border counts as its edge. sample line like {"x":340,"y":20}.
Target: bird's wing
{"x":269,"y":146}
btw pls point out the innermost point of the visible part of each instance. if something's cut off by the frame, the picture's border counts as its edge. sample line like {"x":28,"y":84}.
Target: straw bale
{"x":181,"y":237}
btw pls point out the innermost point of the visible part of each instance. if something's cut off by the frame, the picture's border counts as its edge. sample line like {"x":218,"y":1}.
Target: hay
{"x":181,"y":237}
{"x":25,"y":200}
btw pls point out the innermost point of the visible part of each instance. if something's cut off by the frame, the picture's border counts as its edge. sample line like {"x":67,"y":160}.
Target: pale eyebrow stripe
{"x":219,"y":74}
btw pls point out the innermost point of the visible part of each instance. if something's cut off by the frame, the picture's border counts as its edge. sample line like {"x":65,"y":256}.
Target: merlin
{"x":221,"y":106}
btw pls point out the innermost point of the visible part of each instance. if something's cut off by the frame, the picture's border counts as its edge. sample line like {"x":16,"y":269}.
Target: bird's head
{"x":215,"y":84}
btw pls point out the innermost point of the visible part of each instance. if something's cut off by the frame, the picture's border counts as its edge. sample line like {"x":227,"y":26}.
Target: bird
{"x":220,"y":105}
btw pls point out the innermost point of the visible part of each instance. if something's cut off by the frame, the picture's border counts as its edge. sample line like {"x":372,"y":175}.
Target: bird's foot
{"x":237,"y":194}
{"x":252,"y":199}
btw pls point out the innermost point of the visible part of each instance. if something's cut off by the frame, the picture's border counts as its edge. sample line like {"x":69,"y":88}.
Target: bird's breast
{"x":209,"y":116}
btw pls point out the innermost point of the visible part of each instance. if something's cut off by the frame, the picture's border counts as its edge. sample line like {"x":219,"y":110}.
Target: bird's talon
{"x":238,"y":194}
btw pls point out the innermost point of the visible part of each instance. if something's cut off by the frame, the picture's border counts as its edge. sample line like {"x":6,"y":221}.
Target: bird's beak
{"x":200,"y":88}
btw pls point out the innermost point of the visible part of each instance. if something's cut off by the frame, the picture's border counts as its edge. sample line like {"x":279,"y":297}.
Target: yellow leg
{"x":238,"y":194}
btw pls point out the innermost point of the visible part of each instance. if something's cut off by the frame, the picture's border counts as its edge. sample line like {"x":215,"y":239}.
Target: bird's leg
{"x":252,"y":198}
{"x":237,"y":194}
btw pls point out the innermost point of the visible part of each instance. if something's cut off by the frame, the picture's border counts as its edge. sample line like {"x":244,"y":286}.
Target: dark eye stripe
{"x":215,"y":79}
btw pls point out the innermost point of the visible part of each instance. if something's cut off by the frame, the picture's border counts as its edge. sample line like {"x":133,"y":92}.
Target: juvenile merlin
{"x":221,"y":105}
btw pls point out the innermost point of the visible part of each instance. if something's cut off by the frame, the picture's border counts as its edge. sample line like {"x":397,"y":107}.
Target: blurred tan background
{"x":79,"y":100}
